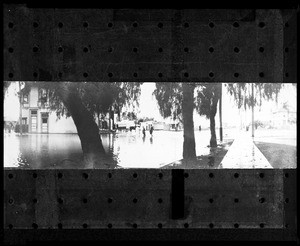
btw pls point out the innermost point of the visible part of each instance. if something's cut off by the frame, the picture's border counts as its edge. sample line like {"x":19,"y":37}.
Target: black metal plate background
{"x":173,"y":31}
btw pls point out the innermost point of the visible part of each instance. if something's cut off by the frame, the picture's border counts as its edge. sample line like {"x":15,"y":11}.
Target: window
{"x":44,"y":115}
{"x":43,"y":97}
{"x":25,"y":99}
{"x":24,"y":121}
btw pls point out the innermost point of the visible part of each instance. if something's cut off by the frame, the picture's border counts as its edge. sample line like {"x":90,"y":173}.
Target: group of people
{"x":150,"y":131}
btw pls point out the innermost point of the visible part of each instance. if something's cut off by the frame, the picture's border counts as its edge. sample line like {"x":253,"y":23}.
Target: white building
{"x":38,"y":118}
{"x":284,"y":118}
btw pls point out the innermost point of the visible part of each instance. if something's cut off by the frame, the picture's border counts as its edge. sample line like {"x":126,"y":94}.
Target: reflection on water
{"x":41,"y":150}
{"x":124,"y":149}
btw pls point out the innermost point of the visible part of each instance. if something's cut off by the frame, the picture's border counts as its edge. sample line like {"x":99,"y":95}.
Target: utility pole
{"x":109,"y":120}
{"x":220,"y":115}
{"x":252,"y":109}
{"x":20,"y":99}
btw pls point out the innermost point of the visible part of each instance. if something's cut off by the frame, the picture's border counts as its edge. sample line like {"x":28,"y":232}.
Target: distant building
{"x":284,"y":118}
{"x":126,"y":125}
{"x":171,"y":124}
{"x":160,"y":126}
{"x":107,"y":121}
{"x":38,"y":118}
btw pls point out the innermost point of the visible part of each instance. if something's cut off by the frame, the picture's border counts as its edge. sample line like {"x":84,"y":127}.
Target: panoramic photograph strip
{"x":63,"y":125}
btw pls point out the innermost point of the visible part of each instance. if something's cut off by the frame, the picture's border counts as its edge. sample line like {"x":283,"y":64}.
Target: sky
{"x":149,"y":108}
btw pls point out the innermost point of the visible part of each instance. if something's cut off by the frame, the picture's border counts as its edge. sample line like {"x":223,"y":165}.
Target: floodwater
{"x":123,"y":149}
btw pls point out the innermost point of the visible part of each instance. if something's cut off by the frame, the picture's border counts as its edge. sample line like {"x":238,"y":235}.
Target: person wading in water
{"x":144,"y":132}
{"x":151,"y":130}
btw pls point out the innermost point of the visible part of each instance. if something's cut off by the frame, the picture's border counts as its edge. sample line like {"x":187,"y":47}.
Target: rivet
{"x":236,"y":24}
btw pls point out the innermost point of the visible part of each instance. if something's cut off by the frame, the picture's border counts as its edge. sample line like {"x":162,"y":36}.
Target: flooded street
{"x":123,"y":149}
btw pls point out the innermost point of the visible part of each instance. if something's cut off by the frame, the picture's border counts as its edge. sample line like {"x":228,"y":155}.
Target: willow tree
{"x":170,"y":100}
{"x":208,"y":96}
{"x":189,"y":146}
{"x":110,"y":97}
{"x":176,"y":100}
{"x":242,"y":93}
{"x":81,"y":100}
{"x":245,"y":98}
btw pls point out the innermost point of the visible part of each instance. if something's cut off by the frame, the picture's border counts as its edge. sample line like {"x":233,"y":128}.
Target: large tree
{"x":110,"y":97}
{"x":81,"y":100}
{"x":242,"y":93}
{"x":98,"y":98}
{"x":189,"y":146}
{"x":176,"y":100}
{"x":170,"y":100}
{"x":208,"y":96}
{"x":170,"y":97}
{"x":252,"y":94}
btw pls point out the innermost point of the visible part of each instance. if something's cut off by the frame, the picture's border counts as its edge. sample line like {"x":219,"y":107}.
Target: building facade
{"x":284,"y":118}
{"x":38,"y":118}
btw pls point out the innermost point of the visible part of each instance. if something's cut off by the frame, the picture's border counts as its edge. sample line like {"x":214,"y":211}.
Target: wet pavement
{"x":162,"y":150}
{"x":123,"y":150}
{"x":207,"y":161}
{"x":244,"y":154}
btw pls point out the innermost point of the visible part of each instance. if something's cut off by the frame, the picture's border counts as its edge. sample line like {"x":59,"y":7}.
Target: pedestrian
{"x":200,"y":128}
{"x":144,"y":132}
{"x":151,"y":130}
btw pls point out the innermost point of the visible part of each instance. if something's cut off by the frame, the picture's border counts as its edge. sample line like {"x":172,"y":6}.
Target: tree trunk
{"x":109,"y":121}
{"x":20,"y":116}
{"x":213,"y":138}
{"x":113,"y":119}
{"x":213,"y":112}
{"x":189,"y":151}
{"x":99,"y":122}
{"x":87,"y":129}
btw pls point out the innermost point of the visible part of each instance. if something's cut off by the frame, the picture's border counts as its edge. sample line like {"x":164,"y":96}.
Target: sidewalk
{"x":244,"y":154}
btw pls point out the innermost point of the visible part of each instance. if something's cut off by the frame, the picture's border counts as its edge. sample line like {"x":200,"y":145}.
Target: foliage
{"x":259,"y":123}
{"x":169,"y":96}
{"x":169,"y":99}
{"x":6,"y":84}
{"x":129,"y":116}
{"x":207,"y":97}
{"x":242,"y":93}
{"x":97,"y":97}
